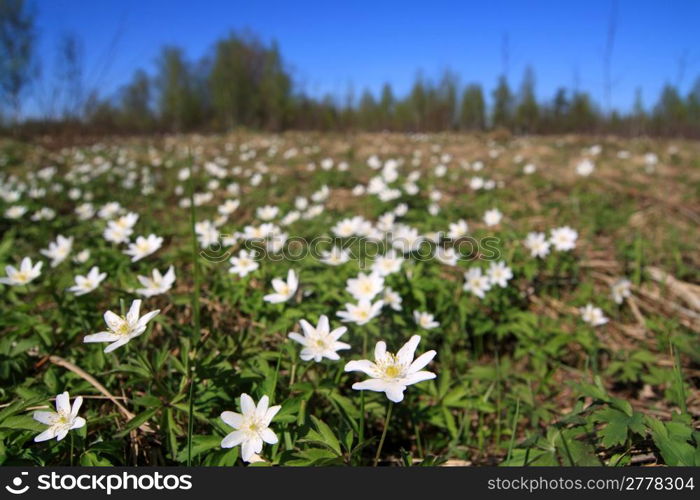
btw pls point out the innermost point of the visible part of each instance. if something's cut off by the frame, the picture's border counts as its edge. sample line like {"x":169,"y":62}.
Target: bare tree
{"x":69,"y":76}
{"x":607,"y":56}
{"x":17,"y":65}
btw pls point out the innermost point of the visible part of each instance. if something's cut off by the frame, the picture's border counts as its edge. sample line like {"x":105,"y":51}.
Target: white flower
{"x":493,"y":217}
{"x":157,"y":284}
{"x":207,"y":233}
{"x":15,"y":212}
{"x":476,"y":282}
{"x":268,"y":212}
{"x":458,"y":229}
{"x":387,"y":264}
{"x":319,"y":342}
{"x":85,"y":211}
{"x":347,"y":227}
{"x":593,"y":315}
{"x":335,"y":256}
{"x":365,"y":286}
{"x":321,"y":194}
{"x":26,"y":273}
{"x":109,"y":210}
{"x":115,"y":233}
{"x":291,"y":217}
{"x":64,"y":419}
{"x":284,"y":290}
{"x":621,"y":289}
{"x":425,"y":320}
{"x":537,"y":244}
{"x":530,"y":168}
{"x":86,"y":284}
{"x":243,"y":264}
{"x":301,"y":203}
{"x":446,"y":255}
{"x":228,"y":207}
{"x":585,"y":167}
{"x":259,"y":232}
{"x":360,"y":313}
{"x":144,"y":247}
{"x":122,"y":329}
{"x":499,"y":274}
{"x":127,"y":221}
{"x":252,"y":426}
{"x":82,"y":256}
{"x":406,"y":239}
{"x":58,"y":250}
{"x":392,"y":373}
{"x":392,"y":299}
{"x":563,"y":238}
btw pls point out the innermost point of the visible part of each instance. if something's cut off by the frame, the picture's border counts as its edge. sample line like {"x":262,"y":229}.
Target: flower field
{"x":331,"y":299}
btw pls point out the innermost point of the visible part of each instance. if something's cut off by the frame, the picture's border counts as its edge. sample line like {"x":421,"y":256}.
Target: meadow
{"x":350,"y":299}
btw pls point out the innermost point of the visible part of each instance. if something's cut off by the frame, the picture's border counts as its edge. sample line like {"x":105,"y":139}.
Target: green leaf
{"x":137,"y":421}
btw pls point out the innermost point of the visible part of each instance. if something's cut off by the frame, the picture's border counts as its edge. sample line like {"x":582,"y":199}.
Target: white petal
{"x":247,"y":450}
{"x":113,"y":321}
{"x":379,"y":350}
{"x":77,"y":403}
{"x":233,"y":439}
{"x":362,"y":365}
{"x":416,"y":377}
{"x":63,"y":403}
{"x":247,"y":405}
{"x":421,"y":361}
{"x":395,"y":392}
{"x":61,"y":434}
{"x":116,"y":344}
{"x":270,"y":414}
{"x":133,"y":315}
{"x":46,"y":435}
{"x":101,"y":337}
{"x":268,"y":436}
{"x":261,"y":409}
{"x":373,"y":384}
{"x":143,"y":321}
{"x":338,"y":332}
{"x":323,"y":326}
{"x":232,"y":418}
{"x":405,"y":354}
{"x":298,"y":338}
{"x":78,"y":422}
{"x":45,"y":417}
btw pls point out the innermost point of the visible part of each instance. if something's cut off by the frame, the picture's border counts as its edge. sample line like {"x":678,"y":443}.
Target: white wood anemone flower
{"x":89,"y":282}
{"x":26,"y":273}
{"x":284,"y":290}
{"x":252,"y":427}
{"x":64,"y":419}
{"x":122,"y":328}
{"x":319,"y":342}
{"x":392,"y":373}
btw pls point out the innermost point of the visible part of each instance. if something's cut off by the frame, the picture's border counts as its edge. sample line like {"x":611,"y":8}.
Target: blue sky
{"x":332,"y":45}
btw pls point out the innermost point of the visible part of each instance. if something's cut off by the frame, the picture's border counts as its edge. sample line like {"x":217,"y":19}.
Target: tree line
{"x":244,"y":82}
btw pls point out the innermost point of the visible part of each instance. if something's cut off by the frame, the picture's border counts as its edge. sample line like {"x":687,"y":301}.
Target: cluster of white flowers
{"x":393,"y":181}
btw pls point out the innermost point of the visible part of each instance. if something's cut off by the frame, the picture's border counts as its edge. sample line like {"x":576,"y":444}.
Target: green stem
{"x":386,"y":426}
{"x":361,"y":434}
{"x":513,"y":430}
{"x":195,"y":316}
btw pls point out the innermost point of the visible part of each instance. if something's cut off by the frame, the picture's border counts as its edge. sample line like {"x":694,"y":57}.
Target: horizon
{"x":331,"y":58}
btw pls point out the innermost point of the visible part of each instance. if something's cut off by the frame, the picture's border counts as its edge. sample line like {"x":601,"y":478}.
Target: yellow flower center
{"x":392,"y":371}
